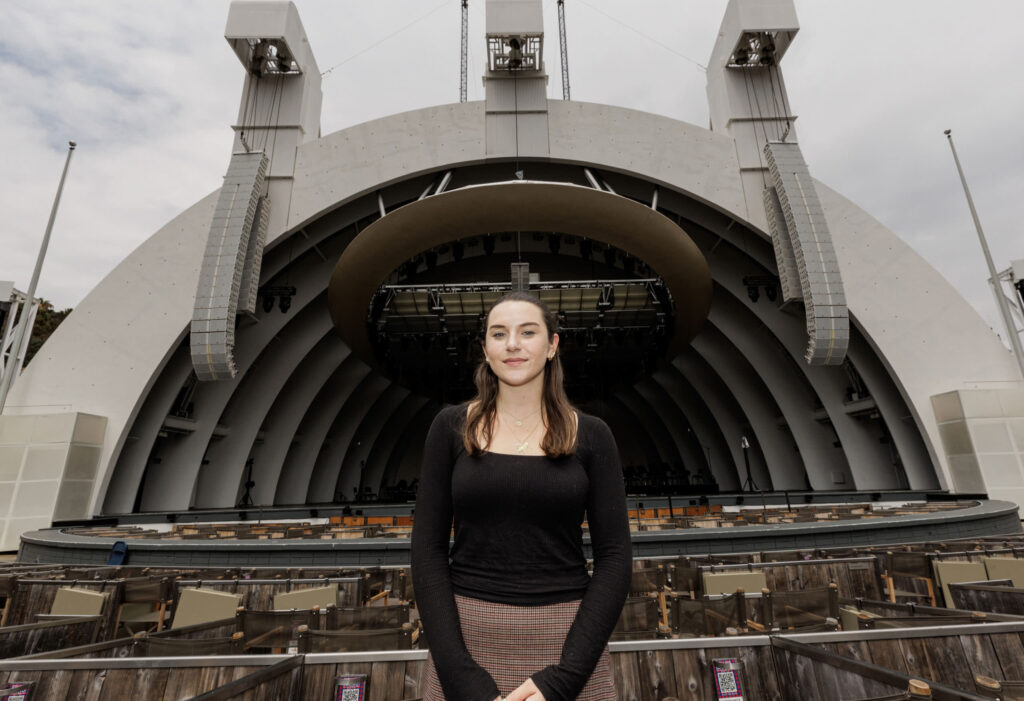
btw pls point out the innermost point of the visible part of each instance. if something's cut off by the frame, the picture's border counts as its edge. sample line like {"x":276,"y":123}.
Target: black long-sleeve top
{"x":518,"y":540}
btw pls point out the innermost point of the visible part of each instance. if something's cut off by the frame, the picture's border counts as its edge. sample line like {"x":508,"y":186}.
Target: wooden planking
{"x":888,"y":654}
{"x":861,"y":687}
{"x":981,"y":655}
{"x":318,"y":682}
{"x":53,"y":685}
{"x":1010,"y":653}
{"x":31,"y":638}
{"x":657,"y":678}
{"x":386,"y":681}
{"x":414,"y":673}
{"x":181,"y":685}
{"x":948,"y":662}
{"x":150,"y":684}
{"x":798,"y":675}
{"x":691,"y":676}
{"x":769,"y":674}
{"x":626,"y":675}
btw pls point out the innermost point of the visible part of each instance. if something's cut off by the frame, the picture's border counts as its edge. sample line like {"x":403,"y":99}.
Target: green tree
{"x":47,"y":321}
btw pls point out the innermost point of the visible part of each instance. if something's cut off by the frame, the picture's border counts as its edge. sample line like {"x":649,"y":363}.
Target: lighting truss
{"x":754,"y":50}
{"x":515,"y":53}
{"x":443,"y":309}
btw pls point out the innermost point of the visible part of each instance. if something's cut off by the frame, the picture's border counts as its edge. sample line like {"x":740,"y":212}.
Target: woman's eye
{"x":497,"y":334}
{"x":529,"y":333}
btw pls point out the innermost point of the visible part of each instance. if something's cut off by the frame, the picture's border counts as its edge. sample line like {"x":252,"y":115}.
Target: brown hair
{"x":558,"y":413}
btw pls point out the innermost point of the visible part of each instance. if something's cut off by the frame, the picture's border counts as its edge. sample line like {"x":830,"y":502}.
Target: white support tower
{"x":11,"y":302}
{"x":515,"y":82}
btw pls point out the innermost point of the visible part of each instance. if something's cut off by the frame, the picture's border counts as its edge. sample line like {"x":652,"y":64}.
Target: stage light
{"x":268,"y":303}
{"x":285,"y":303}
{"x":753,"y":293}
{"x":515,"y":54}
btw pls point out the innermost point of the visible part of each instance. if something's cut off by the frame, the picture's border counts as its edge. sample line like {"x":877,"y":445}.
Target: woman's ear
{"x":554,"y":346}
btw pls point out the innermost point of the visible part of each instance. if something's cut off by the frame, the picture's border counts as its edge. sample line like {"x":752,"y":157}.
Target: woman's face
{"x":516,"y":345}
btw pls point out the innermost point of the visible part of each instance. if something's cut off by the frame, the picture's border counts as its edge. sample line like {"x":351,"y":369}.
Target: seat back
{"x":307,"y":598}
{"x":1005,"y":568}
{"x":146,"y":646}
{"x":645,"y":580}
{"x":725,"y":614}
{"x":204,"y":606}
{"x":355,"y":640}
{"x":801,"y":610}
{"x":946,"y":572}
{"x":70,"y":601}
{"x":368,"y":617}
{"x":638,"y":620}
{"x":275,"y":629}
{"x":728,"y":582}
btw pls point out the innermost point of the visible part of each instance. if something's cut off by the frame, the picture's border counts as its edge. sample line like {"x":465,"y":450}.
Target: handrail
{"x":251,"y":681}
{"x":940,"y":692}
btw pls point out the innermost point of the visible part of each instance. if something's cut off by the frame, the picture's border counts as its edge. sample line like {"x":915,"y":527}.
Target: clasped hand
{"x":527,"y":691}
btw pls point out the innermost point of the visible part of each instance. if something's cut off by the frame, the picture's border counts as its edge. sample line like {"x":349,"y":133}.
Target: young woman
{"x":510,"y":612}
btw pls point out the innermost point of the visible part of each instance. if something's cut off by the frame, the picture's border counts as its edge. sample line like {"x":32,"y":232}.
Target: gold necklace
{"x":523,"y":442}
{"x":519,"y":422}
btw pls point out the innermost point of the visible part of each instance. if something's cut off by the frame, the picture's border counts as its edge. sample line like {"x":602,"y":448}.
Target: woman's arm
{"x":460,"y":676}
{"x":613,"y":562}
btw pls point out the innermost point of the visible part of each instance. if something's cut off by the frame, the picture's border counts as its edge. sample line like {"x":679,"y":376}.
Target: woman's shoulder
{"x":451,"y":418}
{"x":591,"y":430}
{"x":588,"y":423}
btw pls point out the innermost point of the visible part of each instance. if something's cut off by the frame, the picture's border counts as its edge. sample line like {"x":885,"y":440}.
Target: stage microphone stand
{"x":749,"y":484}
{"x":249,"y":484}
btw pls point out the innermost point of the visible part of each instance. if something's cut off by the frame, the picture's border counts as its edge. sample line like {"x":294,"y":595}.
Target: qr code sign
{"x":727,"y":683}
{"x":351,"y":688}
{"x":727,"y":680}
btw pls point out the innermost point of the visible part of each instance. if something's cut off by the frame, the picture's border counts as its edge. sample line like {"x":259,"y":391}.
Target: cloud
{"x":150,"y":90}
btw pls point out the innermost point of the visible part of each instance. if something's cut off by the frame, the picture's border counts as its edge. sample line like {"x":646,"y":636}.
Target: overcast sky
{"x":149,"y":91}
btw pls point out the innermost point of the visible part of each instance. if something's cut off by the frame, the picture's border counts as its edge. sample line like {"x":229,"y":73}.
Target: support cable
{"x":750,"y":107}
{"x":651,"y":39}
{"x":382,"y":40}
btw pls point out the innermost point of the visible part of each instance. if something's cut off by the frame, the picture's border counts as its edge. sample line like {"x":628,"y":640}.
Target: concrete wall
{"x":48,"y":464}
{"x":982,"y":434}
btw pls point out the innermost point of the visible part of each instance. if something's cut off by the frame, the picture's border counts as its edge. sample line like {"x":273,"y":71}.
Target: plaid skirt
{"x":513,"y":642}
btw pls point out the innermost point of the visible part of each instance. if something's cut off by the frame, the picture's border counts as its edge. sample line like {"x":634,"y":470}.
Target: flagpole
{"x":1004,"y":308}
{"x":14,"y":366}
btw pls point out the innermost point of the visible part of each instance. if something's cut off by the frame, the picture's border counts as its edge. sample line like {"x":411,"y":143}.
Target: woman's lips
{"x":515,"y":361}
